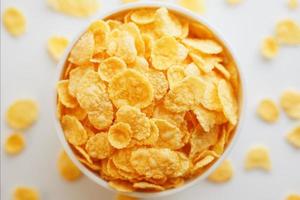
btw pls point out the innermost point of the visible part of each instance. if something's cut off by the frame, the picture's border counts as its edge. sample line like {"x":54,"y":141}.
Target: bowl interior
{"x":238,"y":87}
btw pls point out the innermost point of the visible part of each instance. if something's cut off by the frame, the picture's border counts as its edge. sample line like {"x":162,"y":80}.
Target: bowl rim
{"x":184,"y":12}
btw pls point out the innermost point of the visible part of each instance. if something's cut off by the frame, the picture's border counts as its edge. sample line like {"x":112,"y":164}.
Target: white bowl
{"x":97,"y":179}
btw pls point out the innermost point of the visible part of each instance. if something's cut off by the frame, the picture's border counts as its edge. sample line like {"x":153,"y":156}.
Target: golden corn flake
{"x":167,"y":52}
{"x":119,"y":135}
{"x":14,"y":143}
{"x":203,"y":64}
{"x":268,"y":111}
{"x":74,"y":131}
{"x":63,"y":94}
{"x":258,"y":157}
{"x":14,"y":21}
{"x":202,"y":163}
{"x":83,"y":50}
{"x":82,"y":8}
{"x":204,"y":46}
{"x":124,"y":197}
{"x":25,"y":193}
{"x":56,"y":46}
{"x":175,"y":74}
{"x":192,"y":70}
{"x":290,"y":102}
{"x":98,"y":146}
{"x":197,"y":6}
{"x":269,"y":47}
{"x":66,"y":167}
{"x":159,"y":83}
{"x":228,"y":101}
{"x":293,"y":196}
{"x":121,"y":186}
{"x":22,"y":113}
{"x":138,"y":121}
{"x":74,"y":78}
{"x":130,"y":88}
{"x":222,"y":70}
{"x":287,"y":32}
{"x":143,"y":16}
{"x":148,"y":42}
{"x":211,"y":99}
{"x":111,"y":66}
{"x":223,"y":173}
{"x":293,"y":4}
{"x":140,"y":64}
{"x":293,"y":137}
{"x":148,"y":186}
{"x":151,"y":140}
{"x":169,"y":135}
{"x":185,"y":94}
{"x":100,"y":30}
{"x":77,"y":112}
{"x":83,"y":154}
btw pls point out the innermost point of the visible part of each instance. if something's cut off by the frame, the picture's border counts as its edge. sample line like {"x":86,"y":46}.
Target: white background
{"x":27,"y":72}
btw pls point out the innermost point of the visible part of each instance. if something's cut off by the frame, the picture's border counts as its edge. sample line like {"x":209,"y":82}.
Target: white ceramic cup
{"x":96,"y":178}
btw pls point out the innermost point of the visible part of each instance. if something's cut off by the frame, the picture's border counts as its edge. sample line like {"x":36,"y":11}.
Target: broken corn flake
{"x":56,"y":46}
{"x":293,"y":4}
{"x":290,"y":102}
{"x":124,"y":197}
{"x":78,"y":8}
{"x":25,"y":193}
{"x":14,"y":21}
{"x":22,"y":113}
{"x":66,"y":167}
{"x":293,"y":196}
{"x":14,"y":143}
{"x":269,"y":47}
{"x":258,"y":157}
{"x":223,"y":173}
{"x":197,"y":6}
{"x":287,"y":32}
{"x":293,"y":137}
{"x":268,"y":111}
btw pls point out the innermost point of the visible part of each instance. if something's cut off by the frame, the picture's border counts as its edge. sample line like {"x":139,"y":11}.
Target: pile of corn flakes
{"x":148,"y":99}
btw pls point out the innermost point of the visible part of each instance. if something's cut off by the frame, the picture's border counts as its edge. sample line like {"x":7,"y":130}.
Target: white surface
{"x":27,"y":71}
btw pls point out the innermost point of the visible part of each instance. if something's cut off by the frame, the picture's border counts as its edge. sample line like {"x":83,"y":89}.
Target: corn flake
{"x":293,"y":137}
{"x":66,"y":167}
{"x":258,"y":157}
{"x":204,"y":46}
{"x":124,"y":197}
{"x":268,"y":111}
{"x":74,"y":131}
{"x":64,"y":96}
{"x":14,"y":21}
{"x":111,"y":66}
{"x":130,"y":88}
{"x":287,"y":32}
{"x":14,"y":144}
{"x":148,"y":186}
{"x":143,"y":16}
{"x":100,"y":29}
{"x":159,"y":83}
{"x":290,"y":102}
{"x":98,"y":146}
{"x":22,"y":113}
{"x":74,"y":78}
{"x":25,"y":193}
{"x":119,"y":135}
{"x":269,"y":47}
{"x":223,"y":173}
{"x":56,"y":46}
{"x":293,"y":4}
{"x":175,"y":74}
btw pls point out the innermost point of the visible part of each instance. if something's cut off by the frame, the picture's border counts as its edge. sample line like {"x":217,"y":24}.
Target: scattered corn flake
{"x":14,"y":21}
{"x":98,"y":146}
{"x":203,"y":45}
{"x":138,"y":121}
{"x":293,"y":137}
{"x":22,"y":113}
{"x":233,"y":2}
{"x":56,"y":46}
{"x":83,"y":50}
{"x":185,"y":95}
{"x":81,"y":8}
{"x":258,"y":157}
{"x":287,"y":32}
{"x":66,"y":167}
{"x":223,"y":173}
{"x":111,"y":66}
{"x":74,"y":131}
{"x":130,"y":87}
{"x":25,"y":193}
{"x":293,"y":196}
{"x":268,"y":111}
{"x":228,"y":101}
{"x":197,"y":6}
{"x":167,"y":52}
{"x":64,"y":96}
{"x":119,"y":135}
{"x":293,"y":4}
{"x":290,"y":102}
{"x":269,"y":47}
{"x":124,"y":197}
{"x":14,"y":143}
